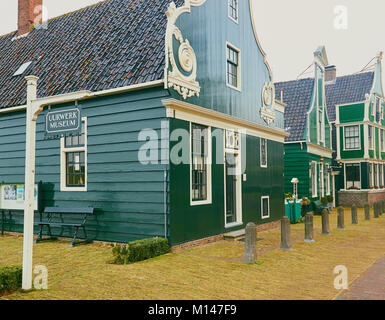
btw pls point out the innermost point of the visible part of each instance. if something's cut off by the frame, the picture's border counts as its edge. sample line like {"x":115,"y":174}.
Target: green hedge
{"x":140,"y":250}
{"x":10,"y":279}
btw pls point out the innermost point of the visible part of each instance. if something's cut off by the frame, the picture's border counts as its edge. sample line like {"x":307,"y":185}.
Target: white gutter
{"x":73,"y":96}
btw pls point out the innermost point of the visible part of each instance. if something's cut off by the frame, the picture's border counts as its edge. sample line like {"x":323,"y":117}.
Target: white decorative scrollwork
{"x":180,"y":76}
{"x":268,"y":96}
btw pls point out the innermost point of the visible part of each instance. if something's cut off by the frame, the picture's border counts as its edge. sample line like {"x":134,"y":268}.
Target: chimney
{"x":30,"y":14}
{"x":330,"y":74}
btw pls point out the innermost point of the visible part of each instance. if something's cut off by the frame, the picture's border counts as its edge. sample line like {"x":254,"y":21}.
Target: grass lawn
{"x":214,"y":271}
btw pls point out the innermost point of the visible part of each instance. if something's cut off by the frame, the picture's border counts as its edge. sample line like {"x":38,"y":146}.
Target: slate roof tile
{"x":111,"y":44}
{"x":297,"y":96}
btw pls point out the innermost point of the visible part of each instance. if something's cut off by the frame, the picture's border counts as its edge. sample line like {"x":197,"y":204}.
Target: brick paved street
{"x":369,"y":286}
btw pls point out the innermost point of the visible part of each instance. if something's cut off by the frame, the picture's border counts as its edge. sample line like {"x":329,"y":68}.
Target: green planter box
{"x":293,"y":210}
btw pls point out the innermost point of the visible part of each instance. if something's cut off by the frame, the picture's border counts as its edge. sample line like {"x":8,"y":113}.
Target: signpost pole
{"x":29,"y":183}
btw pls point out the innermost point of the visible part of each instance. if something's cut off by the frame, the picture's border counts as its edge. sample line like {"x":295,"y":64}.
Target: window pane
{"x":75,"y":169}
{"x":199,"y":165}
{"x":76,"y":141}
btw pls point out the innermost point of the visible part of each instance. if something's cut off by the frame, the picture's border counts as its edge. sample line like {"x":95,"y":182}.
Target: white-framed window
{"x":353,"y":176}
{"x":265,"y":207}
{"x":352,"y":138}
{"x":327,"y":179}
{"x":371,"y":175}
{"x":314,"y":179}
{"x":200,"y":164}
{"x":382,"y":137}
{"x":233,"y":67}
{"x":370,"y":137}
{"x":73,"y":161}
{"x":233,"y":10}
{"x":375,"y":175}
{"x":381,"y":175}
{"x":321,"y":127}
{"x":321,"y":180}
{"x":263,"y":153}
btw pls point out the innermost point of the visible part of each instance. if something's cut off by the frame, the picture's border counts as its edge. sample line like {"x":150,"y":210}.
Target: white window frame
{"x":321,"y":179}
{"x":314,"y":180}
{"x":268,"y":207}
{"x":321,"y":126}
{"x":371,"y":137}
{"x":344,"y":138}
{"x":209,"y":168}
{"x":237,"y":9}
{"x":345,"y":179}
{"x":371,"y":174}
{"x":260,"y":153}
{"x":239,"y":68}
{"x":63,"y":162}
{"x":327,"y":172}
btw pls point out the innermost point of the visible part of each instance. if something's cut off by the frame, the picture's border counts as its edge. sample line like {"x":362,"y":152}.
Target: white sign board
{"x":12,"y":197}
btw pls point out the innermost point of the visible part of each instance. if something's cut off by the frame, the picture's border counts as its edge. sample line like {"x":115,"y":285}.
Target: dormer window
{"x":233,"y":10}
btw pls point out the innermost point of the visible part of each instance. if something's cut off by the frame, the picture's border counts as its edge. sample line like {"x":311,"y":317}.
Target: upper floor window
{"x":370,"y":136}
{"x":74,"y":161}
{"x":233,"y":67}
{"x":352,"y":137}
{"x":264,"y":153}
{"x":233,"y":10}
{"x":200,"y":164}
{"x":321,"y":127}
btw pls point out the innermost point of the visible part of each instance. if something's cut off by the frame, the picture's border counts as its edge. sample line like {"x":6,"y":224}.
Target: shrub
{"x":324,"y":200}
{"x":330,"y":199}
{"x":140,"y":250}
{"x":10,"y":279}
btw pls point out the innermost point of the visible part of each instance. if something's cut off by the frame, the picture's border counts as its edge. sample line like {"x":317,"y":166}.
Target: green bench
{"x":318,"y":207}
{"x":53,"y":217}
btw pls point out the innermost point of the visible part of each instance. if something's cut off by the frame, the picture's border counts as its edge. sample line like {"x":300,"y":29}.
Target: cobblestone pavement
{"x":369,"y":286}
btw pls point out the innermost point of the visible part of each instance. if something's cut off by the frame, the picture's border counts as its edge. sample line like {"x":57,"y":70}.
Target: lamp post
{"x":295,"y":182}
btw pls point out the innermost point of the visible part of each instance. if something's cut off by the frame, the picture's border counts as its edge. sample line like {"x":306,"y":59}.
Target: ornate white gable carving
{"x":181,"y":77}
{"x":268,"y":97}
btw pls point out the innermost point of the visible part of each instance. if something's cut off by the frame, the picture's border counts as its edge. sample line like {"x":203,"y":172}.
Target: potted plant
{"x":324,"y":201}
{"x":330,"y":201}
{"x":305,"y":206}
{"x":288,"y":197}
{"x":371,"y":187}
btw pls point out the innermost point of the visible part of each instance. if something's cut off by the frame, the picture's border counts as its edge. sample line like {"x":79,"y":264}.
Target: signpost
{"x":34,"y":108}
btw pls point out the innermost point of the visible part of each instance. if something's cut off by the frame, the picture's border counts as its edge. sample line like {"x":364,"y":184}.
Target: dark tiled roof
{"x":347,"y":89}
{"x":297,"y":95}
{"x":111,"y":44}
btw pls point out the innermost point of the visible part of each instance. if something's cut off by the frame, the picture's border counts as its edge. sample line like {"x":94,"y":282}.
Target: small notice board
{"x":12,"y":197}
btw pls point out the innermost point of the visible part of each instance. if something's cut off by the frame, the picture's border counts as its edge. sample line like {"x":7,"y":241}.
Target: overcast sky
{"x":353,"y":31}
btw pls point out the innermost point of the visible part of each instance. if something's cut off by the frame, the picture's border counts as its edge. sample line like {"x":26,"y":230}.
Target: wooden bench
{"x":53,"y":217}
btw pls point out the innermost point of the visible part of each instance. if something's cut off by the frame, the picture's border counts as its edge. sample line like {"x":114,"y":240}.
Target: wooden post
{"x":354,"y":215}
{"x":341,"y":219}
{"x":29,"y":183}
{"x":250,"y":244}
{"x":367,"y":211}
{"x":325,"y":222}
{"x":285,"y":234}
{"x":309,"y":228}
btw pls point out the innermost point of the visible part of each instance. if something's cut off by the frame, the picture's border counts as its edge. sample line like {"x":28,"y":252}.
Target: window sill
{"x":73,"y":189}
{"x":233,"y":225}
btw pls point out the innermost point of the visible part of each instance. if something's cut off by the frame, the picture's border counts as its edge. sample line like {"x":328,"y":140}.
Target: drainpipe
{"x":165,"y":203}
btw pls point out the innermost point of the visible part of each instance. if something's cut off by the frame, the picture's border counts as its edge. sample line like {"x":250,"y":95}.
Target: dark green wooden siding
{"x":193,"y":222}
{"x":128,"y":196}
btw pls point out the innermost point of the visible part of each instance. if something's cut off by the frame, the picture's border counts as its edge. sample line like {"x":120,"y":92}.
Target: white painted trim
{"x":239,"y":68}
{"x":268,"y":202}
{"x":315,"y":191}
{"x":319,"y":150}
{"x":63,"y":167}
{"x":209,"y":169}
{"x":185,"y":111}
{"x":86,"y":94}
{"x":343,"y":137}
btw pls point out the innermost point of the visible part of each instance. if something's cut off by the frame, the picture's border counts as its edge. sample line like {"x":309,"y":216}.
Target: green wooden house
{"x":356,"y":109}
{"x":308,"y":149}
{"x":181,"y":135}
